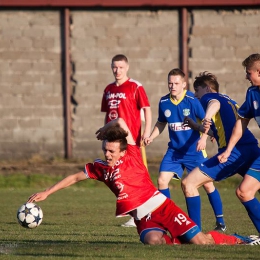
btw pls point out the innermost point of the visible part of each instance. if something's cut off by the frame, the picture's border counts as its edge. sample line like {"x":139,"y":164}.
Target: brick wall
{"x":31,"y":103}
{"x":148,"y":39}
{"x":31,"y":116}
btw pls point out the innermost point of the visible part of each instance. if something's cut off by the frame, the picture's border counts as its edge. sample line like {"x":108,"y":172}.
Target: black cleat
{"x":220,"y":227}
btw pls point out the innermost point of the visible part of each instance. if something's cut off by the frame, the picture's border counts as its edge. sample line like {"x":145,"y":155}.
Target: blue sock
{"x":194,"y":209}
{"x":216,"y":204}
{"x":253,"y":210}
{"x":166,"y":192}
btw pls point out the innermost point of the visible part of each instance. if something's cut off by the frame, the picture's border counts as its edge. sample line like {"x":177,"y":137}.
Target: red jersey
{"x":125,"y":101}
{"x":129,"y":180}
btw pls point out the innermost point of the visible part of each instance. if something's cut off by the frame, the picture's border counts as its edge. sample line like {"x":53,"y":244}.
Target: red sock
{"x":222,"y":239}
{"x":170,"y":241}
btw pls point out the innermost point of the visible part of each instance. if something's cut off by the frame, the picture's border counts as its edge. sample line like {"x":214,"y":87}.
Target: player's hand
{"x":188,"y":122}
{"x":206,"y":122}
{"x":147,"y":141}
{"x":100,"y":133}
{"x":37,"y":197}
{"x":223,"y":157}
{"x":145,"y":135}
{"x":201,"y":145}
{"x":212,"y":139}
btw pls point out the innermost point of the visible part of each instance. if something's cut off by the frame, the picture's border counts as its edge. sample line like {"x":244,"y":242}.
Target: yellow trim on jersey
{"x":178,"y":101}
{"x":221,"y":134}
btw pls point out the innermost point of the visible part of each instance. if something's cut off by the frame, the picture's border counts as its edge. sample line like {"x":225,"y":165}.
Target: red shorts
{"x":168,"y":217}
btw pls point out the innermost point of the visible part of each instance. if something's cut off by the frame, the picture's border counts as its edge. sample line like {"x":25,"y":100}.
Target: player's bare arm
{"x":157,"y":130}
{"x":201,"y":145}
{"x":238,"y":130}
{"x":196,"y":126}
{"x":148,"y":122}
{"x":66,"y":182}
{"x":212,"y":109}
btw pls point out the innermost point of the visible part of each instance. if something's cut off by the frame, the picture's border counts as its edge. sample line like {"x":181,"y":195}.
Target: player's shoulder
{"x":226,"y":97}
{"x":190,"y":95}
{"x":112,"y":84}
{"x":253,"y":89}
{"x":165,"y":98}
{"x":211,"y":96}
{"x":100,"y":162}
{"x":135,"y":82}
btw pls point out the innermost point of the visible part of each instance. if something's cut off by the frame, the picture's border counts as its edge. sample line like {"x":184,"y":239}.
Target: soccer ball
{"x":29,"y":215}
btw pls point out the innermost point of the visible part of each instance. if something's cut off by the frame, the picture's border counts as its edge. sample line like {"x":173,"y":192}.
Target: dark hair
{"x":119,"y":57}
{"x":206,"y":79}
{"x":252,"y":61}
{"x":117,"y":134}
{"x":176,"y":72}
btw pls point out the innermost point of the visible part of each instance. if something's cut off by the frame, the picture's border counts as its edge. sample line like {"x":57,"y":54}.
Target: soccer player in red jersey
{"x":125,"y":98}
{"x":158,"y":219}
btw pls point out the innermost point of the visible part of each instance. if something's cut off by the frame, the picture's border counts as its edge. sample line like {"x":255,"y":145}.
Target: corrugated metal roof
{"x":129,"y":3}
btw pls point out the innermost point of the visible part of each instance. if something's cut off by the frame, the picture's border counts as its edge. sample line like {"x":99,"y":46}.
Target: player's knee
{"x":244,"y":195}
{"x":185,"y":185}
{"x":152,"y":238}
{"x":162,"y":183}
{"x":209,"y":187}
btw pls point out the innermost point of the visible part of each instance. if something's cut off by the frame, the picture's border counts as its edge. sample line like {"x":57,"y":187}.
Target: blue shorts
{"x":254,"y":170}
{"x":176,"y":163}
{"x":241,"y":159}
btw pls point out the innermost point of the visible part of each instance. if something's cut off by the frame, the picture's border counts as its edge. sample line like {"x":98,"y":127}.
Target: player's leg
{"x":163,"y":183}
{"x":152,"y":229}
{"x":155,"y":237}
{"x":213,"y":195}
{"x":216,"y":204}
{"x":190,"y":186}
{"x":169,"y":168}
{"x":152,"y":232}
{"x":216,"y":238}
{"x":246,"y":194}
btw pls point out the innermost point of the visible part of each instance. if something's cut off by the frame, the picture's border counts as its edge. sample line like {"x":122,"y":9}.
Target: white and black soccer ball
{"x":29,"y":215}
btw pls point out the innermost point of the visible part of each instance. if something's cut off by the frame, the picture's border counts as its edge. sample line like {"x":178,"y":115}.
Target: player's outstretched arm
{"x":66,"y":182}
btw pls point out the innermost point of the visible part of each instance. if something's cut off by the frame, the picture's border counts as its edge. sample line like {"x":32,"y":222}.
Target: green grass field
{"x":79,"y":223}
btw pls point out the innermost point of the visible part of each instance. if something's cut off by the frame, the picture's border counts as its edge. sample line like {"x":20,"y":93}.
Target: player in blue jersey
{"x":182,"y":149}
{"x":249,"y":109}
{"x":221,"y":112}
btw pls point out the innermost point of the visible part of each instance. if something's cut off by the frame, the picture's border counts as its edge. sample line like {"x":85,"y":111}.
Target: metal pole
{"x":184,"y":43}
{"x":66,"y":53}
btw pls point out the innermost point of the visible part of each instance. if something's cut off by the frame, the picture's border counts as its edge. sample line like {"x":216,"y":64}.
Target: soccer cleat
{"x":250,"y":240}
{"x":220,"y":227}
{"x":253,"y":237}
{"x":129,"y":223}
{"x":255,"y":240}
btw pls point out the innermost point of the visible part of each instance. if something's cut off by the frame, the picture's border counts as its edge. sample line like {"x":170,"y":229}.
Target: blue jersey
{"x":182,"y":139}
{"x":225,"y":119}
{"x":250,"y":108}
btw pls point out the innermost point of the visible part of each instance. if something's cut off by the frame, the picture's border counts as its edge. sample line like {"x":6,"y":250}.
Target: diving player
{"x":158,"y":219}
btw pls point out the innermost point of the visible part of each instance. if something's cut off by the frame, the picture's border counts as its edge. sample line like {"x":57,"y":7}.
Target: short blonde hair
{"x":252,"y":61}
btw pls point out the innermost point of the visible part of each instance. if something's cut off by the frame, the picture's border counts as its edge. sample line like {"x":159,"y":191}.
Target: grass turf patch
{"x":79,"y":223}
